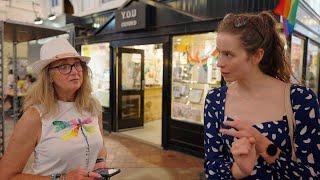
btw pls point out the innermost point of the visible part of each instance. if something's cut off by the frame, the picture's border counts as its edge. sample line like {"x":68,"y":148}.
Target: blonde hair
{"x":42,"y":93}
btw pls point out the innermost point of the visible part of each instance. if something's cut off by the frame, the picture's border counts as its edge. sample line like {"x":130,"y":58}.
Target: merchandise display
{"x":312,"y":69}
{"x":297,"y":51}
{"x":194,"y":73}
{"x":100,"y":70}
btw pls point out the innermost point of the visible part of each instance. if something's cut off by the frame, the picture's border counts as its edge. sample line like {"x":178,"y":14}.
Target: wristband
{"x":57,"y":176}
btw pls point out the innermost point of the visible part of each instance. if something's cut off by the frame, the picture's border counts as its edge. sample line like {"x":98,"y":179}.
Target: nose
{"x":220,"y":63}
{"x":73,"y":70}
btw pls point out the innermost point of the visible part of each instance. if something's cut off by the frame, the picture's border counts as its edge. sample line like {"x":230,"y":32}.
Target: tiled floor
{"x":140,"y":161}
{"x":150,"y":133}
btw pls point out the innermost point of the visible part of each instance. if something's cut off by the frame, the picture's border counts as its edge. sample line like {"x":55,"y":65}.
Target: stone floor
{"x":142,"y":161}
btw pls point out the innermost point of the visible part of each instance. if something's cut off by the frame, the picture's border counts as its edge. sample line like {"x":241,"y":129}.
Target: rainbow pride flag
{"x":288,"y":10}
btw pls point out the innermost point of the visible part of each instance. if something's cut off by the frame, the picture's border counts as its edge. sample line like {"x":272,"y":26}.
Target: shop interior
{"x":100,"y":70}
{"x":153,"y":68}
{"x":153,"y":78}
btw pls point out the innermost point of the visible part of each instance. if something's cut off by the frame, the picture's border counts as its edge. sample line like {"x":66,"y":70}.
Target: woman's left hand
{"x":100,"y":165}
{"x":244,"y":129}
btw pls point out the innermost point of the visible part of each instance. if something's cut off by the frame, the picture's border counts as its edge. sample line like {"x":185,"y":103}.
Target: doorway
{"x":140,"y":84}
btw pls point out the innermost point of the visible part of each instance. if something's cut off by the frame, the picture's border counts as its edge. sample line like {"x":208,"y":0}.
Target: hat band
{"x":59,"y":56}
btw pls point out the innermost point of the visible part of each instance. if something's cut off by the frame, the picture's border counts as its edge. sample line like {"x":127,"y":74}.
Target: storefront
{"x":305,"y":47}
{"x":162,"y":63}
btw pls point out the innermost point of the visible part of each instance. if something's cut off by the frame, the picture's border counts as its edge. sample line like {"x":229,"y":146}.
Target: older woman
{"x":61,"y":123}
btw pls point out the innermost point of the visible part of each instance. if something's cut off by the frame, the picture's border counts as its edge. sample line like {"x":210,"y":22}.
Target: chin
{"x":229,"y":80}
{"x":74,"y":88}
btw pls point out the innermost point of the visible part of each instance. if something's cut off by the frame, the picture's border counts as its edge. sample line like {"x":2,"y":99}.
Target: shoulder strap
{"x":291,"y":120}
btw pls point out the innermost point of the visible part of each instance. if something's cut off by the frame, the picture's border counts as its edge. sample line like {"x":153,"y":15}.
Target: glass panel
{"x":297,"y":50}
{"x":153,"y":62}
{"x":131,"y":71}
{"x":315,"y":5}
{"x":313,"y":58}
{"x":194,"y":72}
{"x":105,"y":1}
{"x":153,"y":74}
{"x":100,"y":69}
{"x":130,"y":107}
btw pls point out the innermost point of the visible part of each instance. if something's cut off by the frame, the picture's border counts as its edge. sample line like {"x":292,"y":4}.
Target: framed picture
{"x":195,"y":95}
{"x":184,"y":91}
{"x":176,"y":91}
{"x":177,"y":72}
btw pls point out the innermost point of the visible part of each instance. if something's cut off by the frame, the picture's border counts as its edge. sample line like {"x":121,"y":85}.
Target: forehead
{"x":228,"y":41}
{"x":65,"y":61}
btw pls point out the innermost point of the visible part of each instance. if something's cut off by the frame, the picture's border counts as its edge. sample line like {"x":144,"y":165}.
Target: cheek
{"x":60,"y":81}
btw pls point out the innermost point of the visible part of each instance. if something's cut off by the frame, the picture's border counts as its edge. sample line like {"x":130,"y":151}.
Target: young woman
{"x":61,"y":123}
{"x":256,"y":143}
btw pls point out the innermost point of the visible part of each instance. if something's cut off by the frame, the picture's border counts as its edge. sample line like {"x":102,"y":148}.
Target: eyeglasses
{"x":242,"y":21}
{"x":67,"y":68}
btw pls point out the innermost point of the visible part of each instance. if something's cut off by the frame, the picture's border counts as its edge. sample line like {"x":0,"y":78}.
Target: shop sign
{"x":131,"y":18}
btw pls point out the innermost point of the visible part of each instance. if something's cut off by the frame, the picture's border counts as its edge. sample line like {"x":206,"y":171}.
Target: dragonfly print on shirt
{"x":72,"y":127}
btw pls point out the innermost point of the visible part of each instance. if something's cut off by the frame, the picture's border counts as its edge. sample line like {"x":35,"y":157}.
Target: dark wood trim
{"x":131,"y":122}
{"x":166,"y":107}
{"x":113,"y":88}
{"x":178,"y":29}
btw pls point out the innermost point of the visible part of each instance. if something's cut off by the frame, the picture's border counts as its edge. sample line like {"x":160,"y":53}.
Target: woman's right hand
{"x":244,"y":154}
{"x":82,"y":174}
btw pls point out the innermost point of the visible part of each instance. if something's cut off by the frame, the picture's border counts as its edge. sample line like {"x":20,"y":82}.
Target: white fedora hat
{"x":56,"y":49}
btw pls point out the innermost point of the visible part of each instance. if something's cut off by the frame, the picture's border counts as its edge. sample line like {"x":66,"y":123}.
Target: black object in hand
{"x":230,"y":119}
{"x":107,"y":172}
{"x":225,"y":126}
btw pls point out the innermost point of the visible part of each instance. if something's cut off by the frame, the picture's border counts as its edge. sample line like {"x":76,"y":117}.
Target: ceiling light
{"x":52,"y":17}
{"x":38,"y":20}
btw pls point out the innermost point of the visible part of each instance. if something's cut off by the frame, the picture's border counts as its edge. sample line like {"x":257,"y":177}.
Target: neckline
{"x":223,"y":95}
{"x":65,"y":102}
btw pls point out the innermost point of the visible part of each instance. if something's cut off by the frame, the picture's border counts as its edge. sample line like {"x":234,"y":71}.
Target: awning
{"x":22,"y":32}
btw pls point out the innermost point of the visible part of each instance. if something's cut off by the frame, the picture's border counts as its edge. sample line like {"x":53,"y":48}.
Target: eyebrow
{"x":226,"y":51}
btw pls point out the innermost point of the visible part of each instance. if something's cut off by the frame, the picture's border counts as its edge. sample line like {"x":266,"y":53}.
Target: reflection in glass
{"x":131,"y":71}
{"x":297,"y":50}
{"x":130,"y":107}
{"x":312,"y":70}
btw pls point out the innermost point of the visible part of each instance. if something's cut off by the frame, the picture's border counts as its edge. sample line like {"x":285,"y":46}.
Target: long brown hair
{"x":259,"y":31}
{"x":42,"y":93}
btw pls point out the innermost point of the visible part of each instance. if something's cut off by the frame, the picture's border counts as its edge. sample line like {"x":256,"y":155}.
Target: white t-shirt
{"x":68,"y":141}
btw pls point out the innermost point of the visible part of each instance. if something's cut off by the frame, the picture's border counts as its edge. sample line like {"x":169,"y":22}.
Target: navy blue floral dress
{"x":218,"y":158}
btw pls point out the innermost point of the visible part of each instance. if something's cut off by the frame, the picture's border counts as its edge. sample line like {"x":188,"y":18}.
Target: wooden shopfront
{"x":182,"y":39}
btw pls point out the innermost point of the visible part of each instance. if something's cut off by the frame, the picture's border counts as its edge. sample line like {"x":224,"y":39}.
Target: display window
{"x":194,"y":73}
{"x":100,"y":68}
{"x":297,"y":50}
{"x":312,"y":68}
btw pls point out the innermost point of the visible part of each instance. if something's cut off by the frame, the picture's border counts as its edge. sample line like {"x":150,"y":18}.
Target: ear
{"x":257,"y":56}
